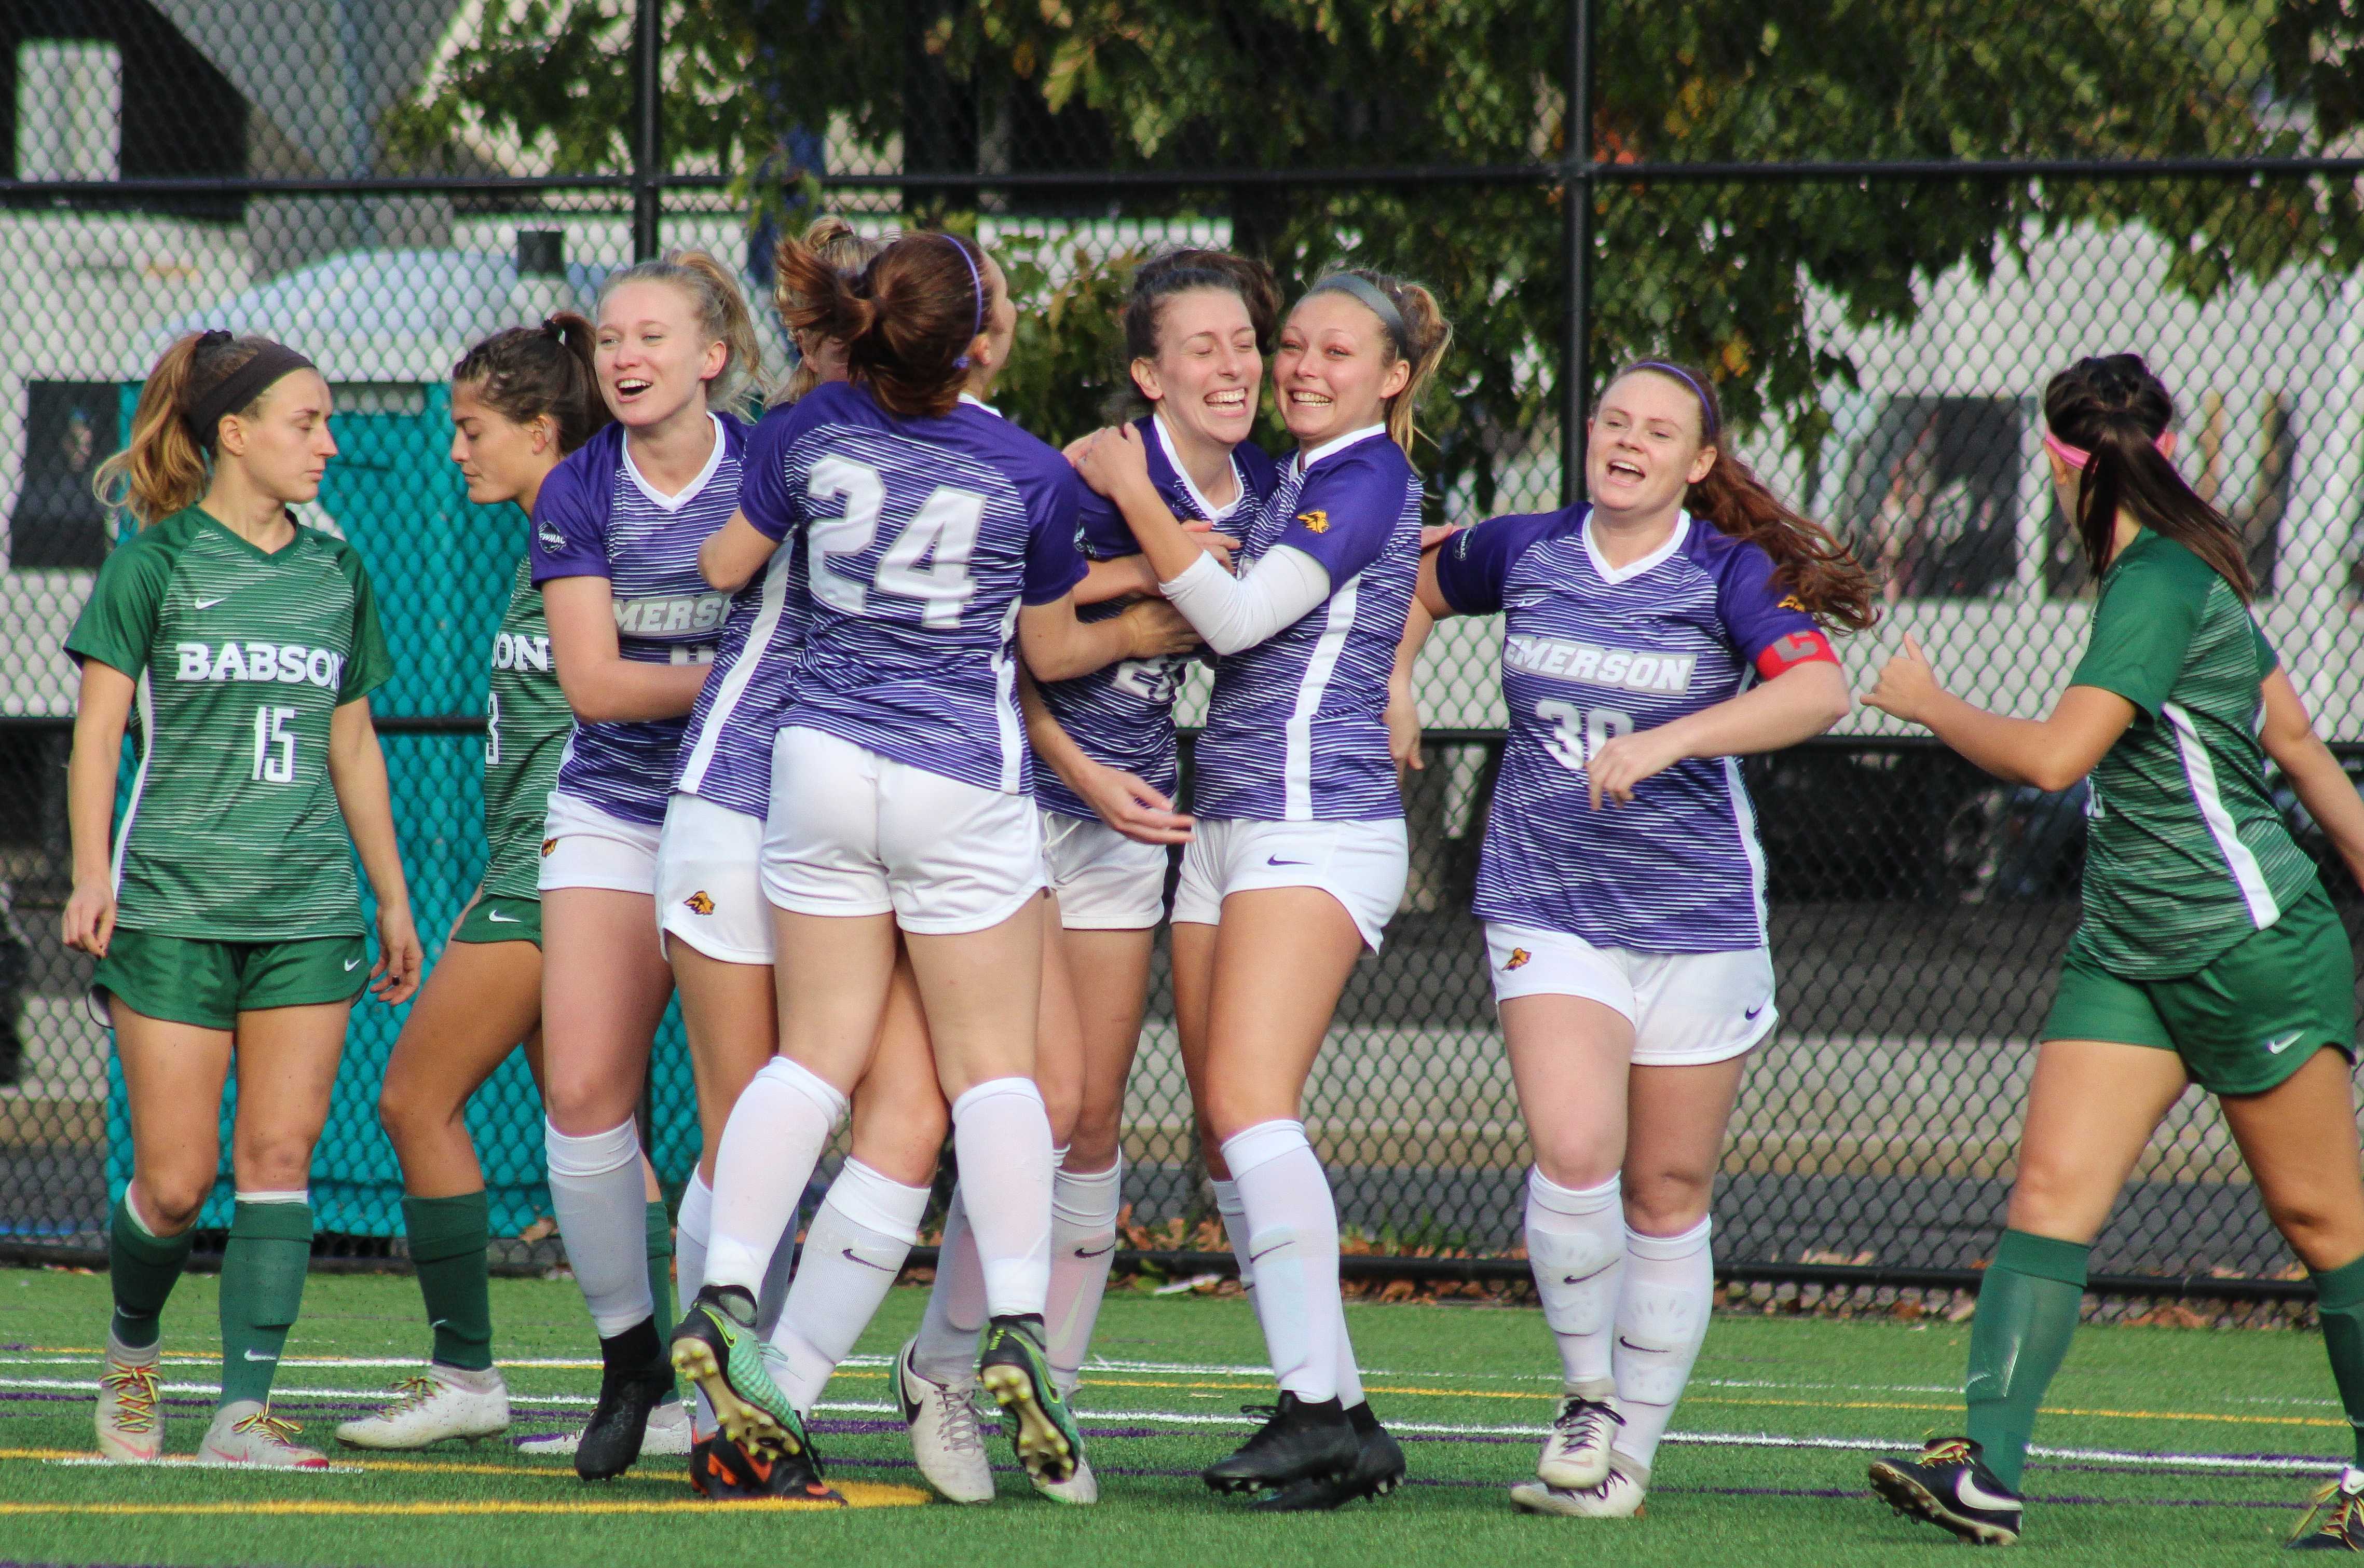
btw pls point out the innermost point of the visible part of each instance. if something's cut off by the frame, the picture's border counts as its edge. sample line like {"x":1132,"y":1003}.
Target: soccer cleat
{"x":718,"y":1349}
{"x":722,"y":1471}
{"x":2333,"y":1520}
{"x":248,"y":1433}
{"x":633,"y":1381}
{"x":1619,"y":1495}
{"x":1014,"y":1369}
{"x":1576,"y":1454}
{"x":1298,"y":1442}
{"x":946,"y":1439}
{"x":441,"y":1401}
{"x":1379,"y":1470}
{"x":130,"y":1414}
{"x":1950,"y":1486}
{"x":667,"y":1435}
{"x":1078,"y":1490}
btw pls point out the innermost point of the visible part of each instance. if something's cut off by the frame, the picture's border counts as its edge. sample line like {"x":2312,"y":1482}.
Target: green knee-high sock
{"x":449,"y":1240}
{"x":2339,"y":1303}
{"x":261,"y":1289}
{"x":2027,"y":1311}
{"x":142,"y":1267}
{"x":668,"y":1307}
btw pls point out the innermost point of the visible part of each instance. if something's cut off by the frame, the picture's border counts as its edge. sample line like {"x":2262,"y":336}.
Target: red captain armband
{"x":1797,"y":648}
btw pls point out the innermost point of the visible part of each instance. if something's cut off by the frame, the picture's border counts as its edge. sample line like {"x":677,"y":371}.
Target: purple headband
{"x":1707,"y":405}
{"x":976,"y":281}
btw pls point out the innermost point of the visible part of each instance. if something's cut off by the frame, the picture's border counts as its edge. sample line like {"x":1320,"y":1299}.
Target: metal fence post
{"x":1576,"y":217}
{"x":648,"y":108}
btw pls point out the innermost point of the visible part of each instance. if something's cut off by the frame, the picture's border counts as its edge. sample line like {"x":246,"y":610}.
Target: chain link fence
{"x":1880,"y":227}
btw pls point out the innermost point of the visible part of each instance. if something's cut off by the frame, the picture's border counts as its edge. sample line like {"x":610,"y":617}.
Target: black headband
{"x":1373,"y":298}
{"x":241,"y":386}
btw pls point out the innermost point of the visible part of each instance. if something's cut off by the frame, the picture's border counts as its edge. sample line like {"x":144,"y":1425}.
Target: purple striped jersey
{"x":726,"y":756}
{"x":597,"y":517}
{"x":1592,"y":651}
{"x":1123,"y":716}
{"x":922,"y":537}
{"x":1297,"y":729}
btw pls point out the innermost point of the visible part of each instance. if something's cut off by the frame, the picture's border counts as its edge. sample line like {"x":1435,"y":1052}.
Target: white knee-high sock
{"x":1002,"y":1132}
{"x":854,"y":1249}
{"x":945,"y":1351}
{"x":1293,"y":1246}
{"x":1083,"y":1244}
{"x":1576,"y":1245}
{"x":1662,"y":1315}
{"x":603,"y":1214}
{"x":1235,"y":1232}
{"x":775,"y":1138}
{"x":691,"y":1225}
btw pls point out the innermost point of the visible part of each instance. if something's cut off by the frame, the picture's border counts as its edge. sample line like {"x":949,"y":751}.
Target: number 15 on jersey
{"x":274,"y":745}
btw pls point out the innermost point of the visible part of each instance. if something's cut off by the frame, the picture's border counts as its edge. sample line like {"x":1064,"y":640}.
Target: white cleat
{"x":1618,"y":1497}
{"x":665,"y":1437}
{"x":946,"y":1437}
{"x":247,"y":1433}
{"x":1576,"y":1454}
{"x":130,"y":1409}
{"x":441,"y":1401}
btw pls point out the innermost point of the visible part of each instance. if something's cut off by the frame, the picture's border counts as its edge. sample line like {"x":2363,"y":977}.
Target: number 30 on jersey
{"x":1577,"y":732}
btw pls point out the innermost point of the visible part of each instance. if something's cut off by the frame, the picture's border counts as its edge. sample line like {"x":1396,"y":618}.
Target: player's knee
{"x":1093,"y":1146}
{"x":1576,"y":1156}
{"x":2324,"y":1234}
{"x":275,"y":1163}
{"x":169,"y":1200}
{"x":1666,"y":1203}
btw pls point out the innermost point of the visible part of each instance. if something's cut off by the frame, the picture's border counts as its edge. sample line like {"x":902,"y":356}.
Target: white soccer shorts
{"x":854,"y":832}
{"x":1105,"y":881}
{"x":585,"y":846}
{"x":708,"y":891}
{"x":1687,"y":1009}
{"x":1363,"y":865}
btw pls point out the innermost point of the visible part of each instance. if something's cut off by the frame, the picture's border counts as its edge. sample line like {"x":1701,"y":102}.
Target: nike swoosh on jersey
{"x":208,"y":603}
{"x":352,"y":964}
{"x":2276,"y":1047}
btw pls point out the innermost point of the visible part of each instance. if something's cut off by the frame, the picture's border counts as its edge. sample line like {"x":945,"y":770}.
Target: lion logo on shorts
{"x":547,"y":846}
{"x":698,"y":903}
{"x":1517,"y":959}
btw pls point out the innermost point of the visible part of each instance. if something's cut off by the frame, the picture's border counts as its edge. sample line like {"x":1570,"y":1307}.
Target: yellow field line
{"x":2048,"y":1410}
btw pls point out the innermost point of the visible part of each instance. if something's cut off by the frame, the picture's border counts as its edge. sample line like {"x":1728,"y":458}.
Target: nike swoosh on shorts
{"x":352,"y":964}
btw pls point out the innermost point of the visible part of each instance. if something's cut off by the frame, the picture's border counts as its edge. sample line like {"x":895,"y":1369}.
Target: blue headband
{"x":1707,"y":405}
{"x":976,"y":281}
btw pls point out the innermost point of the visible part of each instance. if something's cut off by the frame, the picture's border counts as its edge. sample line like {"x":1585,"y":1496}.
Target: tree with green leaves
{"x":1717,"y":271}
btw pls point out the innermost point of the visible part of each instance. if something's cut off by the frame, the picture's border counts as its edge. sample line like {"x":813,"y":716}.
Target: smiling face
{"x":1207,"y":369}
{"x":1645,"y":446}
{"x":654,"y":357}
{"x":1335,"y":369}
{"x":501,"y":459}
{"x":283,"y":442}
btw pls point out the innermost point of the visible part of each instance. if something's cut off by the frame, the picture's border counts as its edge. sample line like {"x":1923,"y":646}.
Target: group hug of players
{"x":853,"y":727}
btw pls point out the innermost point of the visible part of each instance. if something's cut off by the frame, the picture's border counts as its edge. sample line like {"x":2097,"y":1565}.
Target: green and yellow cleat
{"x":1014,"y":1369}
{"x":718,"y":1349}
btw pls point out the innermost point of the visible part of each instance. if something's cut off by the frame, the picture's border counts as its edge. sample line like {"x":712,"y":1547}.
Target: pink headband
{"x":2077,"y":456}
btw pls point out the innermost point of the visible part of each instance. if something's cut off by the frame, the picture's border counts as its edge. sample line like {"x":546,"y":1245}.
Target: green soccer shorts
{"x":188,"y":980}
{"x":501,"y":920}
{"x":2242,"y":1023}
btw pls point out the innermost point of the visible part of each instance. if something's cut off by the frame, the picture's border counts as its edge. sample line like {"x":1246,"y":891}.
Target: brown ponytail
{"x":165,"y":466}
{"x":2114,"y":408}
{"x":833,"y":241}
{"x":721,"y":312}
{"x":1808,"y":559}
{"x":526,"y":373}
{"x":907,"y":320}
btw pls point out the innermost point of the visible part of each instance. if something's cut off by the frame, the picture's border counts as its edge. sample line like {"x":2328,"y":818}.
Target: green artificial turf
{"x":1464,"y":1385}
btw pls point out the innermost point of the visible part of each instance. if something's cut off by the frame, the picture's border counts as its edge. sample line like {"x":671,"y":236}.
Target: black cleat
{"x":1950,"y":1486}
{"x":722,"y":1471}
{"x":2333,"y":1520}
{"x":633,"y":1380}
{"x":1298,"y":1442}
{"x":1379,"y":1470}
{"x":718,"y":1469}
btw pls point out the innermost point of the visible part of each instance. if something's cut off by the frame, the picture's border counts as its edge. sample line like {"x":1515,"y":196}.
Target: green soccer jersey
{"x":526,"y":725}
{"x":232,"y":833}
{"x":2185,"y":855}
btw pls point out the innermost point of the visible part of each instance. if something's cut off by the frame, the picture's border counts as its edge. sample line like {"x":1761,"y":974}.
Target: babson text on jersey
{"x":290,"y":664}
